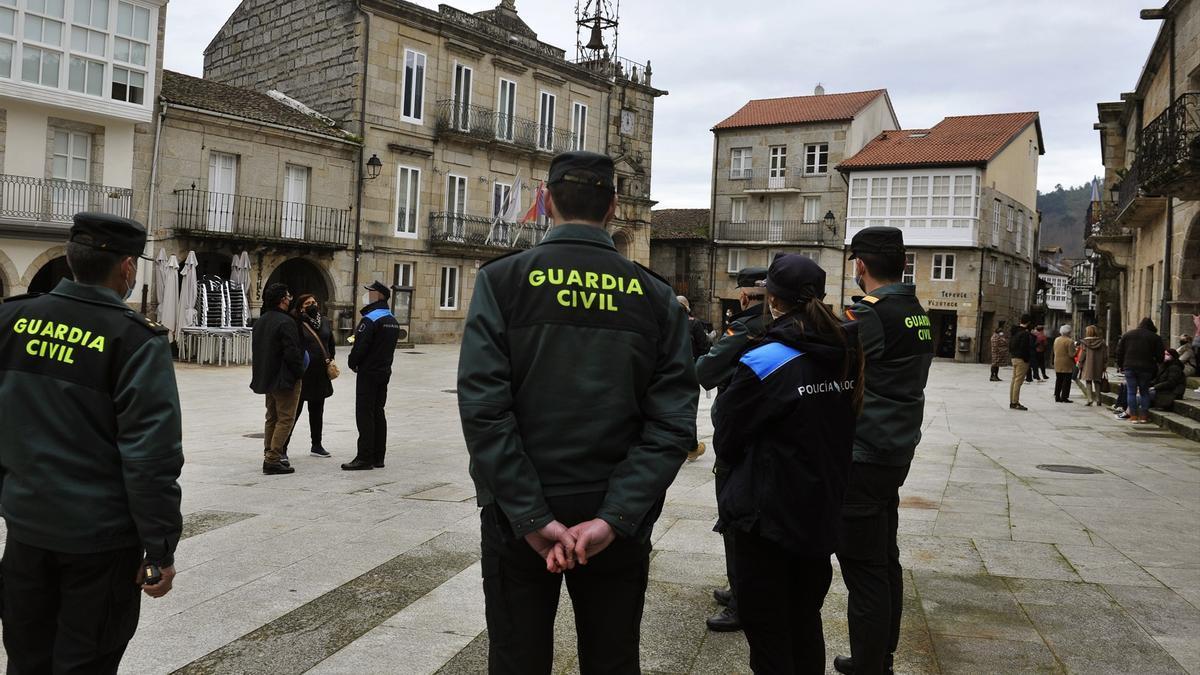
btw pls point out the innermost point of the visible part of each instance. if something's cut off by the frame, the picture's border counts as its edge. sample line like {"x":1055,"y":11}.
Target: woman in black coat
{"x":316,"y":333}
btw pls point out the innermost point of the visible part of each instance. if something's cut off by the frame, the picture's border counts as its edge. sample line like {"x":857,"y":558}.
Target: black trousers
{"x":1044,"y":356}
{"x":780,"y":595}
{"x":721,"y":471}
{"x":1062,"y":386}
{"x":370,"y":395}
{"x":316,"y":419}
{"x":870,"y":561}
{"x":68,"y":613}
{"x":521,"y":597}
{"x":995,"y":372}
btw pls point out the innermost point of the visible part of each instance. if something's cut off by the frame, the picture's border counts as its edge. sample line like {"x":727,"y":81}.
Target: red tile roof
{"x":966,"y":140}
{"x":800,"y":109}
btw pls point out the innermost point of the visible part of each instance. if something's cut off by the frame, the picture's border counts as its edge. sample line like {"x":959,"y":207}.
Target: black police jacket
{"x":575,"y":377}
{"x":785,"y":426}
{"x":92,"y":445}
{"x":374,"y":341}
{"x":277,"y":359}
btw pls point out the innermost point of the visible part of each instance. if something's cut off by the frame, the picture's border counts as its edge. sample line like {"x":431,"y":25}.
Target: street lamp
{"x":829,"y":220}
{"x":374,"y":166}
{"x":1115,"y":189}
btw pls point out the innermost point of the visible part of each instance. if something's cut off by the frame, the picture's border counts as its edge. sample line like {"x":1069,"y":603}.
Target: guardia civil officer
{"x":785,"y":428}
{"x":897,"y":347}
{"x":371,"y":358}
{"x":714,"y":370}
{"x":578,"y":397}
{"x":90,"y":460}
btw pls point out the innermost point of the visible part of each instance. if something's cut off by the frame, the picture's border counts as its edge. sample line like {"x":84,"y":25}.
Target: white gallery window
{"x":740,"y":163}
{"x":737,"y":260}
{"x":992,"y":271}
{"x":86,"y":76}
{"x":816,"y":159}
{"x":737,"y":210}
{"x":546,"y":105}
{"x":1007,"y":273}
{"x":128,"y":85}
{"x":579,"y":114}
{"x":412,"y":107}
{"x":448,"y":288}
{"x":1011,"y":212}
{"x":408,"y":200}
{"x":777,"y":166}
{"x":910,"y":269}
{"x":943,"y":267}
{"x":812,"y":209}
{"x":506,"y":110}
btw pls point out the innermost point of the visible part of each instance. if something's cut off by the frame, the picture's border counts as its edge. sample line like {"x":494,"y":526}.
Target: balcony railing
{"x":52,"y":201}
{"x":486,"y":125}
{"x":1169,"y":150}
{"x":220,"y":215}
{"x":766,"y":180}
{"x":459,"y":229}
{"x":618,"y":68}
{"x":773,"y":232}
{"x":1083,"y":276}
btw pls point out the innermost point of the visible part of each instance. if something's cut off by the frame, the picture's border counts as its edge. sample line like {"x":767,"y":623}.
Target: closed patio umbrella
{"x":186,"y":315}
{"x":160,"y":280}
{"x":168,"y":306}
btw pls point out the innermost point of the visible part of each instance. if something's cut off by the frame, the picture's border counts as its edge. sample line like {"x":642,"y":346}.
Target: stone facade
{"x":448,"y":153}
{"x":681,"y":253}
{"x":1147,"y":236}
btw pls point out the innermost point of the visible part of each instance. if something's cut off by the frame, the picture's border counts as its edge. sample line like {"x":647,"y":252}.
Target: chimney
{"x":819,"y":90}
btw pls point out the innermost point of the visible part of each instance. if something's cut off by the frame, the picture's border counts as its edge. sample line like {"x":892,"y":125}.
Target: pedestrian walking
{"x":1093,"y":363}
{"x":90,"y":462}
{"x":897,"y":348}
{"x":785,"y":427}
{"x":578,"y":406}
{"x":371,"y":358}
{"x":277,"y":368}
{"x":999,"y":351}
{"x":1170,"y":382}
{"x":1064,"y":364}
{"x":1021,"y":351}
{"x":700,"y":345}
{"x":317,"y":340}
{"x":714,"y":371}
{"x":1139,"y":352}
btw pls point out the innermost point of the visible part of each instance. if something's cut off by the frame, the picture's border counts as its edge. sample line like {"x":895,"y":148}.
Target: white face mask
{"x":366,"y":298}
{"x":775,"y":314}
{"x":131,"y":284}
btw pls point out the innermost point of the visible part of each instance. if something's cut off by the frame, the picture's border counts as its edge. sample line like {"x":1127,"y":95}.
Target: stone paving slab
{"x":1009,"y":568}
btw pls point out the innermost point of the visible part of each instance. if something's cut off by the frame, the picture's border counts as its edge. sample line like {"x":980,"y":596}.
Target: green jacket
{"x":716,"y":368}
{"x":575,"y":376}
{"x":897,"y":344}
{"x":92,"y":436}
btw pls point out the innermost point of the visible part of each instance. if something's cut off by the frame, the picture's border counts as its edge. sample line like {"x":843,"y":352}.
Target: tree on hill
{"x":1063,"y":214}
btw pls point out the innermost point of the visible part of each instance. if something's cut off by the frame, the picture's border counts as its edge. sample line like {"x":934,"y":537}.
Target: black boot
{"x":845,"y":665}
{"x":723,"y":596}
{"x":725,"y":621}
{"x":357,"y":465}
{"x":277,"y":468}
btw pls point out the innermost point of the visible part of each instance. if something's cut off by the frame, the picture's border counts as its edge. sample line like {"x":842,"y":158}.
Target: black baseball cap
{"x":379,"y":287}
{"x":106,"y":232}
{"x":585,"y":168}
{"x":748,"y":277}
{"x":877,"y":239}
{"x":795,"y":278}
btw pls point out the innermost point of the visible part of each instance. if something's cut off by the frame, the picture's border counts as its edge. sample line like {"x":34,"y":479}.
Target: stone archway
{"x":303,"y":276}
{"x":9,"y":278}
{"x":621,"y":241}
{"x":1187,"y":301}
{"x":46,"y":270}
{"x":40,"y":261}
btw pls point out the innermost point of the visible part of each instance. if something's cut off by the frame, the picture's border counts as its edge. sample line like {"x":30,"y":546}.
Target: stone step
{"x":1184,"y":426}
{"x":1188,"y":407}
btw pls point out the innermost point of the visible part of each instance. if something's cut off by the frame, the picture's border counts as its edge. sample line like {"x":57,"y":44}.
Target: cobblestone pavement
{"x":1009,"y":567}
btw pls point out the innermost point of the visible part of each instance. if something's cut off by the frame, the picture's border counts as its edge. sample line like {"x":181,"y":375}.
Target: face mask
{"x":130,"y":285}
{"x":366,"y":298}
{"x":859,"y":280}
{"x":775,"y":314}
{"x":312,"y":311}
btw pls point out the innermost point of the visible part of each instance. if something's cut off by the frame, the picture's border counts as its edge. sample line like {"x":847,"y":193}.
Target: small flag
{"x":538,"y":208}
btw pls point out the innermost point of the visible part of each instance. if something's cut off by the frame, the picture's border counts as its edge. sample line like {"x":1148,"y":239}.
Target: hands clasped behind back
{"x":563,"y":547}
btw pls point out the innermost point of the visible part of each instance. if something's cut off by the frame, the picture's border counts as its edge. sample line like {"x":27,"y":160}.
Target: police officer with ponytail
{"x":785,"y":427}
{"x":90,"y":460}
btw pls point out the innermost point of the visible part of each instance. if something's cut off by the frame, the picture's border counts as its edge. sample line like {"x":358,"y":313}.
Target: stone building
{"x":237,"y":170}
{"x":965,"y":194}
{"x":681,"y":252}
{"x":461,"y":108}
{"x":1148,"y":233}
{"x":78,"y":92}
{"x":1053,"y":295}
{"x":774,"y":186}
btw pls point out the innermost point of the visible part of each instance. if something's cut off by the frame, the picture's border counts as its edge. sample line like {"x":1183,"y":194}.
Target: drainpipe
{"x":979,"y":307}
{"x":151,"y":220}
{"x":1168,"y":292}
{"x":362,"y":150}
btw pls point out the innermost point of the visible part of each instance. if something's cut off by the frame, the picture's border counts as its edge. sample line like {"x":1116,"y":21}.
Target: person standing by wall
{"x":1021,"y":352}
{"x":1042,"y":349}
{"x":1093,"y":363}
{"x":1139,"y":352}
{"x":277,"y":370}
{"x":999,"y":351}
{"x":90,"y":462}
{"x":785,"y":427}
{"x":317,"y":340}
{"x":897,"y":347}
{"x":371,"y":358}
{"x":1064,"y":364}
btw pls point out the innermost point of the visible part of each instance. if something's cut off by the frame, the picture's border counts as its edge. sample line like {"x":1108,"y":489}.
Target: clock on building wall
{"x":628,"y":120}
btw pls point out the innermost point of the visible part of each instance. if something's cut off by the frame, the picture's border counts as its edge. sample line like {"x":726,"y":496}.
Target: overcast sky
{"x":936,"y":58}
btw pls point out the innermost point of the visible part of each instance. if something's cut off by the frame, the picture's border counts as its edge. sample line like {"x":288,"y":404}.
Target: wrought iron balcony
{"x":1135,"y":205}
{"x":200,"y":213}
{"x":459,"y":230}
{"x":1169,"y":150}
{"x":773,"y":232}
{"x":1102,"y":221}
{"x":772,"y":181}
{"x":488,"y":126}
{"x":47,"y":202}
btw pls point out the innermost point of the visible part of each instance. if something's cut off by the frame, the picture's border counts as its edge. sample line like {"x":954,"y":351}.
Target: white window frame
{"x":402,"y":272}
{"x":993,"y":263}
{"x":460,"y":106}
{"x":1011,"y":212}
{"x":416,"y":107}
{"x":579,"y":120}
{"x":498,"y":199}
{"x":777,"y":163}
{"x":997,"y":207}
{"x":506,"y":125}
{"x":943,"y":268}
{"x":815,"y":215}
{"x":734,"y":205}
{"x":1008,"y":273}
{"x":741,"y":163}
{"x":412,"y":227}
{"x":736,"y":260}
{"x":816,"y":159}
{"x":545,"y":139}
{"x":448,"y":292}
{"x":911,"y":200}
{"x":909,"y":275}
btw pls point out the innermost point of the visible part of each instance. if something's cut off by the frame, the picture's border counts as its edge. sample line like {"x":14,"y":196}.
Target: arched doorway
{"x":302,"y":276}
{"x":217,"y":264}
{"x":50,"y":274}
{"x":1188,"y":300}
{"x":621,"y":241}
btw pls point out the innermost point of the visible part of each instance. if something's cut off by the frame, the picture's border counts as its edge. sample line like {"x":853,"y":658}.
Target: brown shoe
{"x":695,"y":454}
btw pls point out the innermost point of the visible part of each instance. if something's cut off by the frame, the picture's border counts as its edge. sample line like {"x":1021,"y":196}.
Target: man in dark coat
{"x":277,"y":367}
{"x":1139,"y":353}
{"x":1022,"y":349}
{"x":371,"y":358}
